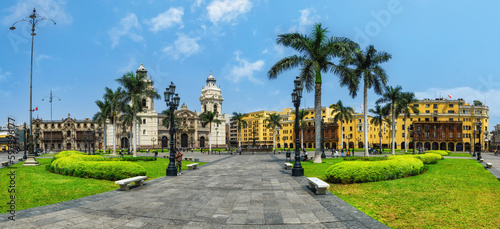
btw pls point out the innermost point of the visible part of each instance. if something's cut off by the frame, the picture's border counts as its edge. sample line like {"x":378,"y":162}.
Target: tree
{"x":379,"y":114}
{"x":209,"y":117}
{"x":407,"y":107}
{"x":116,"y":102}
{"x":127,"y":118}
{"x":137,"y":87}
{"x":241,"y":123}
{"x":392,"y":97}
{"x":303,"y":125}
{"x":273,"y":121}
{"x":100,"y":118}
{"x":341,"y":114}
{"x":477,"y":103}
{"x":317,"y":53}
{"x":365,"y":68}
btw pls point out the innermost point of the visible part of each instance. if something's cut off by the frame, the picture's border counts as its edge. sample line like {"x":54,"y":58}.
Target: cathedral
{"x":191,"y":133}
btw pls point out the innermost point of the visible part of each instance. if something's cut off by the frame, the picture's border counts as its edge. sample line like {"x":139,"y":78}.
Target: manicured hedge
{"x":348,"y":172}
{"x":440,"y":152}
{"x":428,"y":158}
{"x":92,"y":166}
{"x":356,"y":158}
{"x":131,"y":159}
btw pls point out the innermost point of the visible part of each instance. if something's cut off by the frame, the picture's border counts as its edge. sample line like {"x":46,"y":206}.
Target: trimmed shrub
{"x":92,"y":166}
{"x":440,"y":152}
{"x":356,"y":158}
{"x":131,"y":159}
{"x":428,"y":158}
{"x":348,"y":172}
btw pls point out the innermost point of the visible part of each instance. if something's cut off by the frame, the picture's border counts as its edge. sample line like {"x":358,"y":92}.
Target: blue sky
{"x":438,"y":48}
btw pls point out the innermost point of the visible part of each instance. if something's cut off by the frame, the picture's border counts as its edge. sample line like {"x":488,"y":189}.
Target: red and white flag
{"x":449,"y":96}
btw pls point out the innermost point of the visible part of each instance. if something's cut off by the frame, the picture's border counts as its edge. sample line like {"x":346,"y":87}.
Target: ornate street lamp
{"x":33,"y":20}
{"x":51,"y":96}
{"x":172,"y":101}
{"x":297,"y":169}
{"x":479,"y":128}
{"x":323,"y":129}
{"x":410,"y":128}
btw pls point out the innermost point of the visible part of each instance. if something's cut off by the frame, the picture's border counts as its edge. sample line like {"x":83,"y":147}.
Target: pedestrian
{"x":342,"y":152}
{"x":178,"y":159}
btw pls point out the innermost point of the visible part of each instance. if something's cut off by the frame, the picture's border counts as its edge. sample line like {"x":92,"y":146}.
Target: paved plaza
{"x":247,"y":191}
{"x":231,"y":191}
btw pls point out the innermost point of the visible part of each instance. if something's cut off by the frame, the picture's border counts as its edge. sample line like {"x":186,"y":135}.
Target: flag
{"x":361,"y":106}
{"x":449,"y":96}
{"x":36,"y":108}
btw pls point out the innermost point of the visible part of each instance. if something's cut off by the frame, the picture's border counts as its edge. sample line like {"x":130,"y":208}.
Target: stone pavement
{"x":247,"y":191}
{"x":495,"y":160}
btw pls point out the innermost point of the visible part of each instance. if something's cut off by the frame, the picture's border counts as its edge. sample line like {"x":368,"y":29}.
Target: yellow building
{"x":440,"y":124}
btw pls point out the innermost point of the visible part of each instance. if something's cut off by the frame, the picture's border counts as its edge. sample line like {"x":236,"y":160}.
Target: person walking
{"x":178,"y":159}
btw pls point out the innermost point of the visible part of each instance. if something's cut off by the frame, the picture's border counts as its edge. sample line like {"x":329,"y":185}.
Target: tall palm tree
{"x":341,"y":114}
{"x":273,"y":121}
{"x":303,"y":125}
{"x":127,"y":118}
{"x":209,"y":117}
{"x":407,"y":107}
{"x":116,"y":102}
{"x":241,"y":123}
{"x":137,"y":87}
{"x":379,"y":114}
{"x":392,"y":97}
{"x":317,"y":53}
{"x":365,"y":68}
{"x":100,"y":118}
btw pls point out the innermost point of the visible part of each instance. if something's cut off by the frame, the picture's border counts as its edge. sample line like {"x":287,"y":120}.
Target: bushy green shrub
{"x":357,"y":158}
{"x":348,"y":172}
{"x":92,"y":166}
{"x":440,"y":152}
{"x":131,"y":159}
{"x":428,"y":158}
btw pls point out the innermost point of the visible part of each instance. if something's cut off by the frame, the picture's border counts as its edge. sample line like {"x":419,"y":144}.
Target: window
{"x":459,"y":135}
{"x":144,"y":132}
{"x":415,"y":105}
{"x":435,"y":111}
{"x":350,"y":128}
{"x":426,"y":119}
{"x":451,"y":134}
{"x":451,"y":119}
{"x":215,"y":107}
{"x":435,"y":106}
{"x":450,"y":105}
{"x":144,"y":121}
{"x":359,"y":119}
{"x":143,"y":102}
{"x":451,"y":128}
{"x":443,"y":135}
{"x":427,"y":105}
{"x":451,"y":111}
{"x":427,"y":111}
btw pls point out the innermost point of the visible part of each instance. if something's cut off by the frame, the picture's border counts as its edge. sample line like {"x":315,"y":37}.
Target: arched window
{"x":205,"y":108}
{"x":143,"y":102}
{"x":215,"y":107}
{"x":144,"y":132}
{"x":144,"y":121}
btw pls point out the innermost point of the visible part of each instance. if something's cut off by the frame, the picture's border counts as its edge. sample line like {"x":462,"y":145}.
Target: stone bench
{"x":192,"y":166}
{"x":318,"y":185}
{"x":5,"y":163}
{"x":489,"y":165}
{"x":288,"y":165}
{"x":481,"y":160}
{"x":125,"y":183}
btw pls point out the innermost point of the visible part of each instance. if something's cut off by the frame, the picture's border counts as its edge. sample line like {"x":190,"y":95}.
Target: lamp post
{"x":26,"y":142}
{"x":474,"y":145}
{"x":172,"y":101}
{"x":51,"y":96}
{"x":479,"y":128}
{"x":323,"y":127}
{"x":33,"y":21}
{"x":153,"y":140}
{"x":297,"y":169}
{"x":412,"y":135}
{"x":37,"y":134}
{"x":93,"y":142}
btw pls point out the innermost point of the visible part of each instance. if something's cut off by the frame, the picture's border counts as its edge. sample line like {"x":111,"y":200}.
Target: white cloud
{"x":183,"y":46}
{"x":196,"y":4}
{"x":4,"y":75}
{"x":227,"y":10}
{"x":52,"y":9}
{"x":264,"y":51}
{"x":245,"y":69}
{"x":306,"y":20}
{"x":132,"y":62}
{"x":167,"y":19}
{"x":128,"y":27}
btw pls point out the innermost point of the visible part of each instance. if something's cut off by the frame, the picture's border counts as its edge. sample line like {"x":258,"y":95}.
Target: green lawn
{"x":35,"y":186}
{"x":460,"y":155}
{"x":454,"y":193}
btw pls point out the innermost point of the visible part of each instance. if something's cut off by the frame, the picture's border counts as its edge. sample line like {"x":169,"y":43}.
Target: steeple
{"x":142,"y":70}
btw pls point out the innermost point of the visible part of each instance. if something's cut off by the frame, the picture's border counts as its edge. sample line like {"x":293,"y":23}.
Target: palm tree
{"x":209,"y":117}
{"x":391,"y":96}
{"x":116,"y":102}
{"x":407,"y":107}
{"x":303,"y":125}
{"x":127,"y":118}
{"x":241,"y":123}
{"x":317,"y":53}
{"x":365,"y":68}
{"x":273,"y":121}
{"x":342,"y":114}
{"x":137,"y":87}
{"x":100,"y":118}
{"x":379,"y":114}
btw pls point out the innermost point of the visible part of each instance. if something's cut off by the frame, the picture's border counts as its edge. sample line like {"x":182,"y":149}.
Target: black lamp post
{"x":33,"y":20}
{"x":93,"y":142}
{"x":172,"y":101}
{"x":474,"y":145}
{"x":35,"y":145}
{"x":479,"y":128}
{"x":412,"y":134}
{"x":297,"y":169}
{"x":323,"y":129}
{"x":26,"y":142}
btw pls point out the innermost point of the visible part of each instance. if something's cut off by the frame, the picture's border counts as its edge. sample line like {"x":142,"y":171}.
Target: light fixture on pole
{"x":33,"y":20}
{"x":51,"y":96}
{"x":297,"y":169}
{"x":172,"y":101}
{"x":479,"y":128}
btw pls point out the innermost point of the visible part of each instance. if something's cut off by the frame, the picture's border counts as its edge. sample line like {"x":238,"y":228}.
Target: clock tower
{"x":211,"y":100}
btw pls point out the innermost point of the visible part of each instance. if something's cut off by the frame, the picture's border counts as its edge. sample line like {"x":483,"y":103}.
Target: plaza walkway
{"x":247,"y":191}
